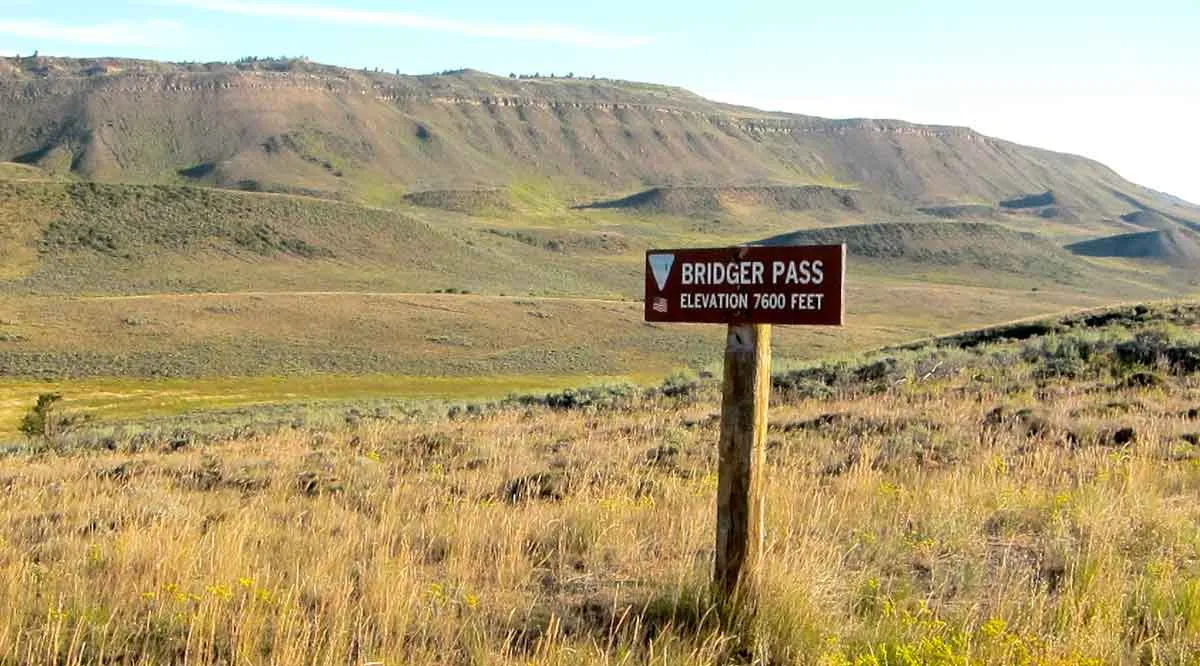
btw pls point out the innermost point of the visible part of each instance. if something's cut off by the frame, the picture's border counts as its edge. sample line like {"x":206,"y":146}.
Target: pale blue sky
{"x":1119,"y":83}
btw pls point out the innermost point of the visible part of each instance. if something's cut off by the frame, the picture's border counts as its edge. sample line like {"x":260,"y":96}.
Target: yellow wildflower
{"x":221,"y":592}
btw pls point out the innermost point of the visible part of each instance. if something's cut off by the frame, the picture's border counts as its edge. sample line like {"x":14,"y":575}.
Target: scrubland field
{"x":155,"y":300}
{"x":1022,"y":495}
{"x":304,"y":340}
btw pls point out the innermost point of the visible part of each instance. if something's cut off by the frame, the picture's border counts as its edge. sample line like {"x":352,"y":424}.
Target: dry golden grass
{"x":903,"y":528}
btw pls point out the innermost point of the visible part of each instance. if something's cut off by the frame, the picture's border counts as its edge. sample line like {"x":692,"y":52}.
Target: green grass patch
{"x":114,"y":399}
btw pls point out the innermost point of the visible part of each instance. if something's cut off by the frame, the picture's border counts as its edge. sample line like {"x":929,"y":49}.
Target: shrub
{"x":40,"y":420}
{"x":878,"y":370}
{"x":1145,"y":349}
{"x":1184,"y":359}
{"x":682,"y":384}
{"x":1068,"y":356}
{"x":604,"y":396}
{"x":1159,"y":347}
{"x":828,"y":375}
{"x":1143,"y":379}
{"x":804,"y":389}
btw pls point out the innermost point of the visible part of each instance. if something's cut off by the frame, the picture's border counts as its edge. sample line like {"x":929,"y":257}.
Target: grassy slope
{"x":1171,"y":246}
{"x":95,"y":238}
{"x":317,"y":263}
{"x":707,"y":201}
{"x":99,"y":238}
{"x":15,"y":171}
{"x":547,"y":146}
{"x":948,"y":243}
{"x":374,"y":137}
{"x":930,"y":521}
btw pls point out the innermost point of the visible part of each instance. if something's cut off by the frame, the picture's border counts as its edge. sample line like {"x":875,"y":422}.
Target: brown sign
{"x":802,"y":285}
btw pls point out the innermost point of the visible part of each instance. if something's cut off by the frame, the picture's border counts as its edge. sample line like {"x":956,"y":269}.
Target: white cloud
{"x":122,"y":33}
{"x":561,"y":34}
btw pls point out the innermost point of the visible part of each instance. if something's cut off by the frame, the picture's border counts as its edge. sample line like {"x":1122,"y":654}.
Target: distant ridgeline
{"x":469,"y":142}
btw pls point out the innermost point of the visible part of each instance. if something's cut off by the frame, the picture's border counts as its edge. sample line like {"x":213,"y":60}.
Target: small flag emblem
{"x":660,"y":305}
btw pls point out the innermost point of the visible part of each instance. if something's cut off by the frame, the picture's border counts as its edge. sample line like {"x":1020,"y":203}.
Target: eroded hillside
{"x":294,"y":126}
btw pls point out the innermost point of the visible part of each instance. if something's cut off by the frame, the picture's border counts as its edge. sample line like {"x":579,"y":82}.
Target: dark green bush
{"x":828,"y":375}
{"x":1145,"y":349}
{"x":879,"y":370}
{"x":681,"y":385}
{"x":605,"y":396}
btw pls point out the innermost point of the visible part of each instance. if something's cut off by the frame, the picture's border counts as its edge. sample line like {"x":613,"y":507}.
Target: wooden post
{"x":740,"y":499}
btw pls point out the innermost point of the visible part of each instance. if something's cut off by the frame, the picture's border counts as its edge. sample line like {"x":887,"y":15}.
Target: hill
{"x":285,"y":218}
{"x":116,"y":280}
{"x":740,"y":199}
{"x":96,"y":238}
{"x":303,"y":321}
{"x":16,"y":171}
{"x":71,"y":238}
{"x":1148,"y":219}
{"x":299,"y":127}
{"x":981,"y":245}
{"x":1174,"y":246}
{"x":471,"y":202}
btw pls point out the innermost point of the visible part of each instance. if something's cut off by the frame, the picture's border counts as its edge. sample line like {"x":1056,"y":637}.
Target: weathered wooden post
{"x":749,"y":288}
{"x":740,"y":499}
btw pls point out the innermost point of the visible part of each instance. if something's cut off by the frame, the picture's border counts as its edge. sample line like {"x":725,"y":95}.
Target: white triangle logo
{"x":661,"y":264}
